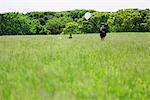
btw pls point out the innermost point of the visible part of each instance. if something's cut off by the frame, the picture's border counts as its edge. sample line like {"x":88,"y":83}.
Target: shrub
{"x":72,"y":28}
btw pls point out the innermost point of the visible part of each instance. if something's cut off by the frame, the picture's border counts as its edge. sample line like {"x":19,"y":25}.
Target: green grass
{"x":82,"y":68}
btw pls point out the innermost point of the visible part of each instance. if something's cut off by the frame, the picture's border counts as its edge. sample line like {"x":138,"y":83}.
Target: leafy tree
{"x":72,"y":28}
{"x":128,"y":20}
{"x":86,"y":26}
{"x":76,"y":14}
{"x":93,"y":24}
{"x":15,"y":24}
{"x":62,"y":14}
{"x":38,"y":15}
{"x":56,"y":25}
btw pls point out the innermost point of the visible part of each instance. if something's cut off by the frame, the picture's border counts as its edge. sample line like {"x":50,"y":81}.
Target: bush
{"x":15,"y":24}
{"x":72,"y":28}
{"x":56,"y":25}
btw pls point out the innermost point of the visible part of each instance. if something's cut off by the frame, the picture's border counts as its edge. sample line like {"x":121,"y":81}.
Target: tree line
{"x":66,"y":22}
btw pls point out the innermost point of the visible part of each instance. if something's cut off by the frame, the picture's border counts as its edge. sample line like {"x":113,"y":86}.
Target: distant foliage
{"x":72,"y":28}
{"x":93,"y":24}
{"x":37,"y":23}
{"x":15,"y":24}
{"x":129,"y":20}
{"x":56,"y":25}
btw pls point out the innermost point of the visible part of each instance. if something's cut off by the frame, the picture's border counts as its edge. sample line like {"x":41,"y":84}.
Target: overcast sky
{"x":63,"y":5}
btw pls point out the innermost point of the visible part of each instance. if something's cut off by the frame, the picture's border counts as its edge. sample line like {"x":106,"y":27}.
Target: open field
{"x":82,"y":68}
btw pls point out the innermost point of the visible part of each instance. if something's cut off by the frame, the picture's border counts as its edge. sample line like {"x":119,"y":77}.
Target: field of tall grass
{"x":82,"y":68}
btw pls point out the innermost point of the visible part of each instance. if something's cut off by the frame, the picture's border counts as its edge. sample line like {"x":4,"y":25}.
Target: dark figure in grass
{"x":102,"y":31}
{"x":70,"y":36}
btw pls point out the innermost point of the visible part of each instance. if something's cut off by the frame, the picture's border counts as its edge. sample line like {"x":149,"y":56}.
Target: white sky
{"x":63,"y":5}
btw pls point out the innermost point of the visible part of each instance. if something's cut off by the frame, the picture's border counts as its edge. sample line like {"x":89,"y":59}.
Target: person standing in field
{"x":102,"y":31}
{"x":70,"y":36}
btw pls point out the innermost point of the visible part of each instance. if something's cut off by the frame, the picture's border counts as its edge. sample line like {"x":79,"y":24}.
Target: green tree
{"x":129,"y":20}
{"x":76,"y":14}
{"x":72,"y":28}
{"x":56,"y":25}
{"x":93,"y":24}
{"x":15,"y":24}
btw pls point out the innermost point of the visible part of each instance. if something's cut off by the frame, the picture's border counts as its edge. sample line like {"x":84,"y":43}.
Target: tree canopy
{"x":34,"y":23}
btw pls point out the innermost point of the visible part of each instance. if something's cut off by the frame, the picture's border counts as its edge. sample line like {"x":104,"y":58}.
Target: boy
{"x":102,"y":31}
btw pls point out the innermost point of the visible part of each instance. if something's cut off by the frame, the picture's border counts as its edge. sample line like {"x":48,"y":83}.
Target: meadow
{"x":53,"y":67}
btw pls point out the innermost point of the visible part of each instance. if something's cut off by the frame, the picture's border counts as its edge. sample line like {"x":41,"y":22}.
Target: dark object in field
{"x":70,"y":36}
{"x":102,"y":31}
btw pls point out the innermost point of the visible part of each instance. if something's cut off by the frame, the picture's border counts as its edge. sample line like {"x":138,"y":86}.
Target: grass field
{"x":81,"y":68}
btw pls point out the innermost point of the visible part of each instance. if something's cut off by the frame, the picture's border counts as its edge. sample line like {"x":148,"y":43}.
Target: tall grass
{"x":81,"y":68}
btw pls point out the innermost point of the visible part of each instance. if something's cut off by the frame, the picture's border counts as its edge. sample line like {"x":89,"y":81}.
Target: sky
{"x":65,"y":5}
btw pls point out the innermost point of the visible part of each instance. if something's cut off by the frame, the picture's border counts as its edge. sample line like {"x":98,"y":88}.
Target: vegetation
{"x":72,"y":28}
{"x":82,"y":68}
{"x":129,"y":20}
